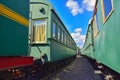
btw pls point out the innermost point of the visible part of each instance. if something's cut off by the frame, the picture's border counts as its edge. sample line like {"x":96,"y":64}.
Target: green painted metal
{"x":21,"y":7}
{"x":38,"y":50}
{"x":60,"y":51}
{"x":107,"y":42}
{"x":13,"y":35}
{"x":54,"y":49}
{"x":109,"y":38}
{"x":35,"y":6}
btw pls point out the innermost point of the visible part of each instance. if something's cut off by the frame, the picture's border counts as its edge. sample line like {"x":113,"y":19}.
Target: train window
{"x":59,"y":34}
{"x":95,"y":25}
{"x":107,"y":9}
{"x":65,"y":37}
{"x":70,"y":42}
{"x":39,"y":32}
{"x":54,"y":30}
{"x":62,"y":36}
{"x":67,"y":40}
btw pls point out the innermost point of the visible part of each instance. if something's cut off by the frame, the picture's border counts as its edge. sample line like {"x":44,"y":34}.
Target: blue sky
{"x":75,"y":14}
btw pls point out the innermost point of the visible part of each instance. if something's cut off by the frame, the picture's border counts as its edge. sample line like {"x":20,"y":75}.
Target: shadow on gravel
{"x":79,"y":69}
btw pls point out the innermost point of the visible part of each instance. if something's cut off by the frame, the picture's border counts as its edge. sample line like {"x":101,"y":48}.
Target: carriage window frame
{"x":62,"y":36}
{"x":54,"y":31}
{"x":58,"y":33}
{"x":105,"y":18}
{"x":33,"y":34}
{"x":96,"y":24}
{"x":65,"y":38}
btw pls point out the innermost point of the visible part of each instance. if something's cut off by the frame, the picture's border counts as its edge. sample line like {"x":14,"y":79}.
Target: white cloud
{"x":89,"y":4}
{"x":78,"y":30}
{"x":79,"y":39}
{"x":74,"y":7}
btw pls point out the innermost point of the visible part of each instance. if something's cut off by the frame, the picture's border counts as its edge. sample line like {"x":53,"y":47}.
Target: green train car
{"x":31,"y":30}
{"x":88,"y":45}
{"x":14,"y":27}
{"x":102,"y":40}
{"x":48,"y":35}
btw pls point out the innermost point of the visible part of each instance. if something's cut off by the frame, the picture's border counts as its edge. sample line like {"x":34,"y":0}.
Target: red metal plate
{"x":11,"y":62}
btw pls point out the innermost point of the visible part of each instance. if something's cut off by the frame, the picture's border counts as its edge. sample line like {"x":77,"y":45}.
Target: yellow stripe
{"x":13,"y":15}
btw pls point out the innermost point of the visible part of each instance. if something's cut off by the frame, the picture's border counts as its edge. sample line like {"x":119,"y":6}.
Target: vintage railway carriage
{"x":48,"y":34}
{"x":106,"y":31}
{"x":14,"y":23}
{"x":14,"y":28}
{"x":88,"y":45}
